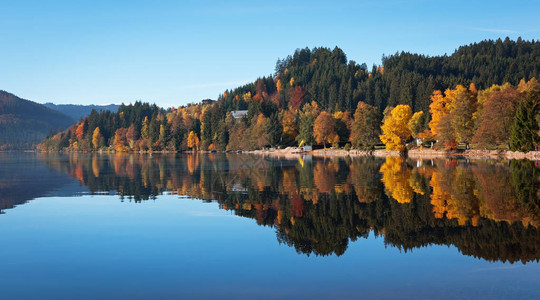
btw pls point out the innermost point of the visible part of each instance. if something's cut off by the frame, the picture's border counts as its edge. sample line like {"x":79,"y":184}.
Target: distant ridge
{"x":77,"y":112}
{"x":24,"y":123}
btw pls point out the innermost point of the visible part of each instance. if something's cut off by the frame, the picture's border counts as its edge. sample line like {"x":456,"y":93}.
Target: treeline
{"x":319,"y":97}
{"x":500,"y":115}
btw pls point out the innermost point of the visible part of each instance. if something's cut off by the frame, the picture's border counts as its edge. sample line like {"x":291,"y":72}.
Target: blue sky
{"x":175,"y":52}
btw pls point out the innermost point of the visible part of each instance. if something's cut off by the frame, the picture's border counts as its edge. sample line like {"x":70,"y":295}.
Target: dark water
{"x":77,"y":226}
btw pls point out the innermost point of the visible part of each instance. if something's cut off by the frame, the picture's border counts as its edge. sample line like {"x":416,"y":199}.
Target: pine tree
{"x":524,"y":135}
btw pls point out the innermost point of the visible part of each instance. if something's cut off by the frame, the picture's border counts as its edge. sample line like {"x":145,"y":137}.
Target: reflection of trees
{"x":396,"y":176}
{"x":487,"y":209}
{"x":454,"y":193}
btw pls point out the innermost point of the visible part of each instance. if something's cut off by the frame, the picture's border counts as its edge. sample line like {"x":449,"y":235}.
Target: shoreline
{"x":416,"y":153}
{"x":293,"y":152}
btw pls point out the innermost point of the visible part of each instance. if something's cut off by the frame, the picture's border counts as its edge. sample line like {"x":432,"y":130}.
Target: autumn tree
{"x":416,"y":123}
{"x":366,"y":126}
{"x":324,"y":129}
{"x":193,"y":140}
{"x":288,"y":125}
{"x":97,"y":139}
{"x":258,"y":132}
{"x":80,"y":130}
{"x":395,"y":131}
{"x":463,"y":109}
{"x":120,"y":140}
{"x":497,"y":117}
{"x":446,"y":132}
{"x":132,"y":136}
{"x":237,"y":138}
{"x":439,"y":107}
{"x":279,"y":85}
{"x":144,"y":129}
{"x":297,"y":97}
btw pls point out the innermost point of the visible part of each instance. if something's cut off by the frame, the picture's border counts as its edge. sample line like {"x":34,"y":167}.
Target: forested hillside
{"x":319,"y":97}
{"x":77,"y":112}
{"x":24,"y":123}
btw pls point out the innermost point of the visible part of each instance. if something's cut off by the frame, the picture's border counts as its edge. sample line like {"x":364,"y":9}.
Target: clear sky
{"x":175,"y":52}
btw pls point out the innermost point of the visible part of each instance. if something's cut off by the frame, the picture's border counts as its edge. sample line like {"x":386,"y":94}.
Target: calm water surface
{"x":90,"y":226}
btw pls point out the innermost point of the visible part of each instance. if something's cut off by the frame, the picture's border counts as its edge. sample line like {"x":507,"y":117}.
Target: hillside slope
{"x":24,"y":123}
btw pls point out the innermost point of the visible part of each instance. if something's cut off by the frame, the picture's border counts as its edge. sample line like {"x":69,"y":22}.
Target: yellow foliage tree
{"x":288,"y":123}
{"x":279,"y":86}
{"x":438,"y":108}
{"x":247,"y":97}
{"x":415,"y":123}
{"x":395,"y":129}
{"x":193,"y":140}
{"x":97,"y":138}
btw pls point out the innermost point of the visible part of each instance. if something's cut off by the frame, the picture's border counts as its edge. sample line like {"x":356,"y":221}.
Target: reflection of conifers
{"x":320,"y":205}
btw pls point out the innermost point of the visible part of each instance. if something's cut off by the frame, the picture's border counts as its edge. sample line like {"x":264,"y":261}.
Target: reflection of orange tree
{"x":454,"y":194}
{"x":484,"y":190}
{"x":499,"y":200}
{"x":324,"y":176}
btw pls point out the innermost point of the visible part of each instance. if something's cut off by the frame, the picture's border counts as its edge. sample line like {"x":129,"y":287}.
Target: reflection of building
{"x":239,"y":113}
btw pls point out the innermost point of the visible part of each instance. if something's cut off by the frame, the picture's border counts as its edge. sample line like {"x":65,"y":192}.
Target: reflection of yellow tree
{"x":95,"y":166}
{"x":396,"y":179}
{"x":415,"y":181}
{"x":192,"y":163}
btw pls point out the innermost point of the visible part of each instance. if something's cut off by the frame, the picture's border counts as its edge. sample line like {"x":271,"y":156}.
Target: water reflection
{"x":486,"y":208}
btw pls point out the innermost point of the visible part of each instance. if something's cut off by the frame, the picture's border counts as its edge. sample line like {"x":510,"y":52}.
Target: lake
{"x":239,"y":226}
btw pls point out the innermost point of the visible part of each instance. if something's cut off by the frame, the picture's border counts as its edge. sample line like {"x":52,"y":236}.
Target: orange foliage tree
{"x":497,"y":117}
{"x":324,"y":129}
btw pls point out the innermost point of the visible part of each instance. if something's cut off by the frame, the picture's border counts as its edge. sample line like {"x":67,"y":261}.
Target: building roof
{"x":239,"y":113}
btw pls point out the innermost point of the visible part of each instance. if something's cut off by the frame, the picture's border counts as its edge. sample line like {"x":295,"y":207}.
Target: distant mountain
{"x":24,"y":123}
{"x":80,"y":111}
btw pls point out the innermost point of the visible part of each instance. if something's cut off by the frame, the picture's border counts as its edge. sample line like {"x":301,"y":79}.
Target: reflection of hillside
{"x":487,"y":209}
{"x":23,"y":177}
